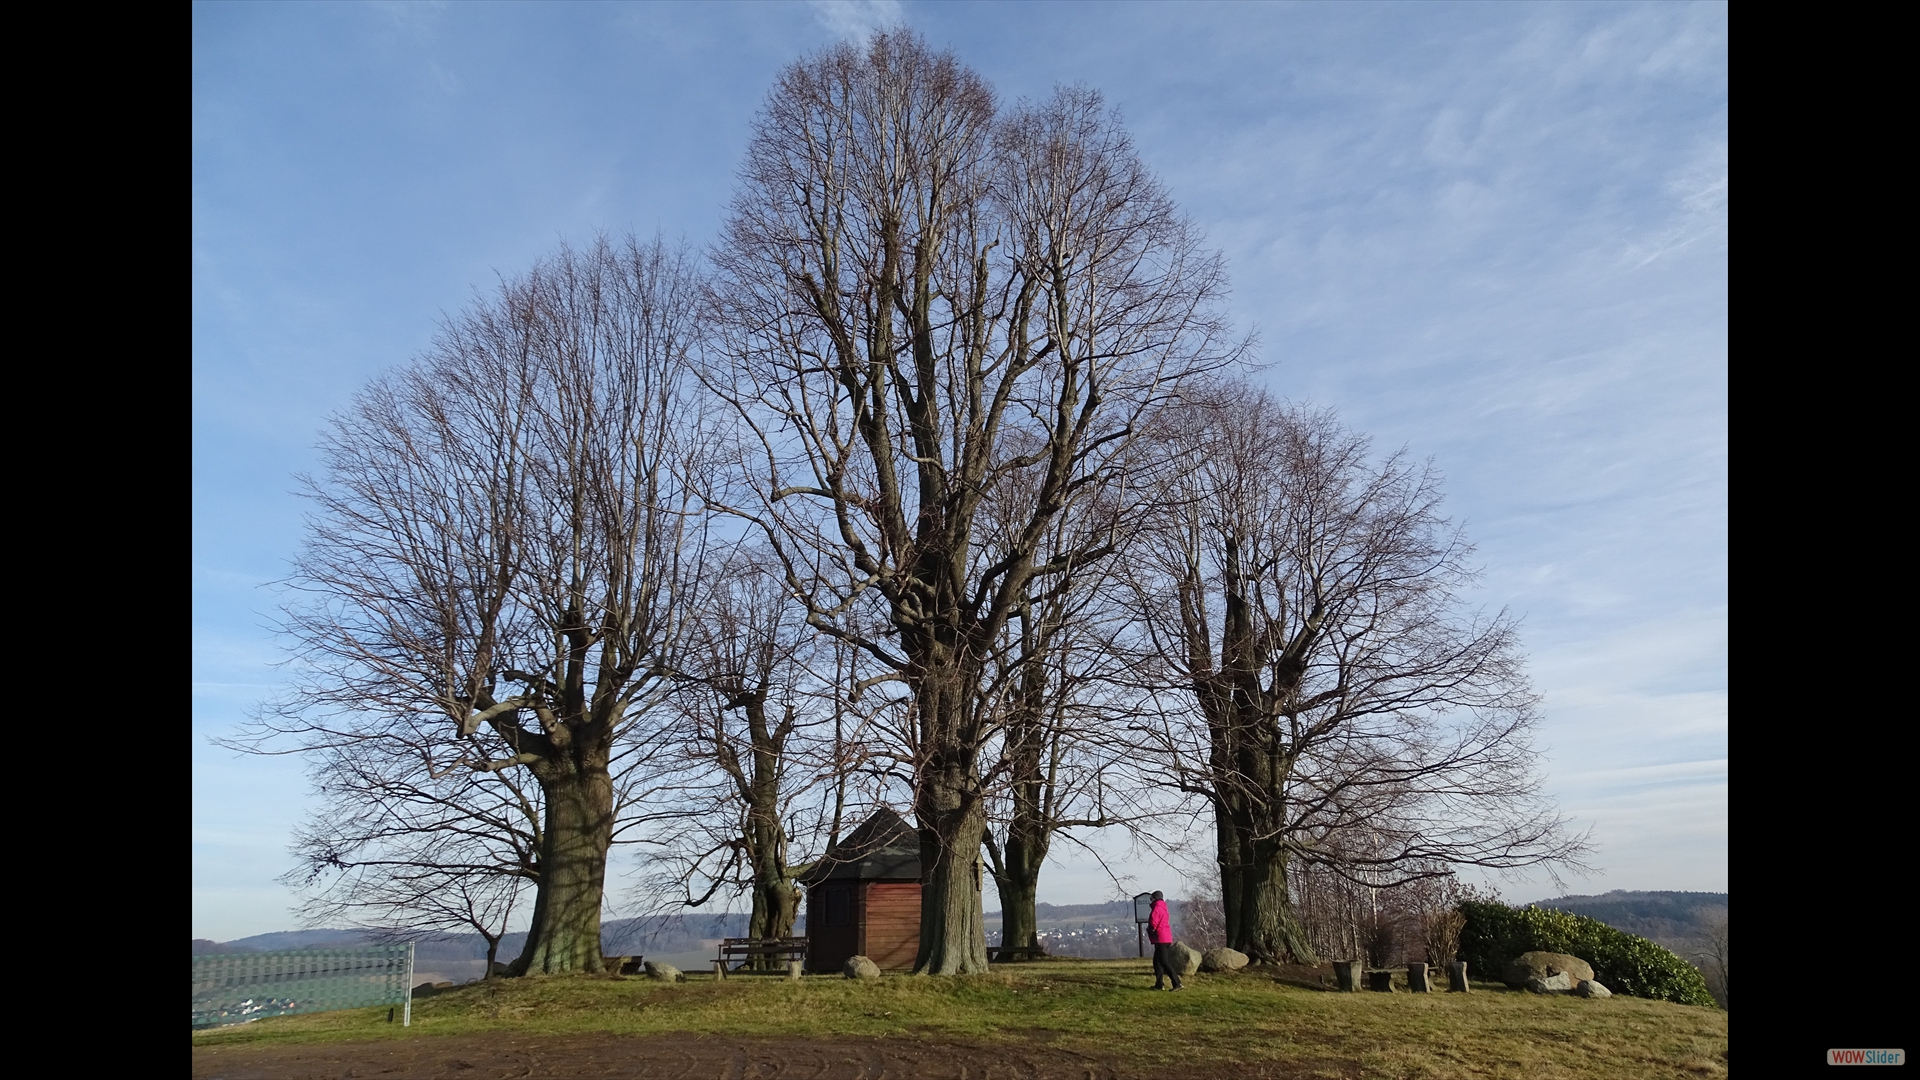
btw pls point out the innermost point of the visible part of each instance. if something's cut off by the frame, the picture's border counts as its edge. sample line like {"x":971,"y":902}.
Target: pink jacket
{"x":1159,"y":926}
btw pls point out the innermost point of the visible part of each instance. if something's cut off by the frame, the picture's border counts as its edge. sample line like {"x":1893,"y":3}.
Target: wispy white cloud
{"x":856,"y":20}
{"x":1700,"y":211}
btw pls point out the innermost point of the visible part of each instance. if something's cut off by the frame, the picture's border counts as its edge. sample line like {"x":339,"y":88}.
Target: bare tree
{"x":748,"y":652}
{"x":1711,"y":954}
{"x":1307,"y":598}
{"x":1050,"y":695}
{"x":767,"y":722}
{"x":400,"y":850}
{"x":429,"y":898}
{"x":1055,"y":751}
{"x":500,"y":559}
{"x":925,"y":302}
{"x":1443,"y":926}
{"x":1202,"y":921}
{"x":772,"y":756}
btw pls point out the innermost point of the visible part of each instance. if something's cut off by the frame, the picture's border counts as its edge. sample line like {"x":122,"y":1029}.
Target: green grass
{"x":1098,"y":1007}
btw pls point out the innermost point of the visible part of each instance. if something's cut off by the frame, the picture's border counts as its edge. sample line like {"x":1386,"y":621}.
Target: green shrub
{"x":1623,"y":963}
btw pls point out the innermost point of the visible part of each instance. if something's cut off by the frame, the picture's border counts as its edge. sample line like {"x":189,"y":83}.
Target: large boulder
{"x":1223,"y":960}
{"x":660,"y":972}
{"x":859,"y":967}
{"x":1588,"y":988}
{"x":1542,"y":965}
{"x":1183,"y":959}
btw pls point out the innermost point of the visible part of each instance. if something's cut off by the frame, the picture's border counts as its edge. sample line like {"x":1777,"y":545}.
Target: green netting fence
{"x":233,"y":988}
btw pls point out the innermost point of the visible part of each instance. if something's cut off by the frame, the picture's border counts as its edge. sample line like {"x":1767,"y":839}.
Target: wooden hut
{"x":863,"y":897}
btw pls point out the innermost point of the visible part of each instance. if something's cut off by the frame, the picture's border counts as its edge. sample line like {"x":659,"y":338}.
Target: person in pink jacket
{"x":1160,"y":929}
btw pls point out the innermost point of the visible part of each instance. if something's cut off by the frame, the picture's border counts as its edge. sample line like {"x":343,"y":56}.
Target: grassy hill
{"x":1256,"y":1022}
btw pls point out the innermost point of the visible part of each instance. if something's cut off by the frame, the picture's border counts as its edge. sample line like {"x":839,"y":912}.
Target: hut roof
{"x":883,"y":847}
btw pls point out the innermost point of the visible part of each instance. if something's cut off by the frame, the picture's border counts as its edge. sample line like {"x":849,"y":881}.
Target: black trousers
{"x":1161,"y":966}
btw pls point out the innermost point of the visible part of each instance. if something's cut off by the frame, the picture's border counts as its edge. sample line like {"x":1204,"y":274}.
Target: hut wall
{"x":890,"y":923}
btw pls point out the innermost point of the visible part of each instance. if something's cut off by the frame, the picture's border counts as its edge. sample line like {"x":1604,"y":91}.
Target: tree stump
{"x":1457,"y":977}
{"x":1347,"y":975}
{"x":1381,"y":981}
{"x":793,"y":970}
{"x":1417,"y":979}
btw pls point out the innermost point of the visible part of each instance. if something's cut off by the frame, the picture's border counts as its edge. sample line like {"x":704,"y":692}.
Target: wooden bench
{"x":739,"y":953}
{"x":1004,"y":954}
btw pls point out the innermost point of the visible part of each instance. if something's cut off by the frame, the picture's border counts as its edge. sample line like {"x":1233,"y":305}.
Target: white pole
{"x":406,"y":1017}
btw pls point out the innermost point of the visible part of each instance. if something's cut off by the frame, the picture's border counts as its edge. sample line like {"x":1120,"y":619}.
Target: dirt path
{"x":687,"y":1057}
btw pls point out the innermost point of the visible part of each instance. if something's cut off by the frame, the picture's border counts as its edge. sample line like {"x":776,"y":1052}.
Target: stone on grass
{"x":1457,"y":978}
{"x":1557,"y":983}
{"x":1381,"y":981}
{"x":859,"y":967}
{"x":1540,"y":965}
{"x":1223,"y":960}
{"x":1417,"y":979}
{"x":660,"y":972}
{"x":1346,"y":975}
{"x":1183,"y":959}
{"x":1591,"y":989}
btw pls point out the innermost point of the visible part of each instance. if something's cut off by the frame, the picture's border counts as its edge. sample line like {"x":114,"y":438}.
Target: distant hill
{"x":1671,"y":918}
{"x":1069,"y":928}
{"x":1658,"y":916}
{"x":620,"y":937}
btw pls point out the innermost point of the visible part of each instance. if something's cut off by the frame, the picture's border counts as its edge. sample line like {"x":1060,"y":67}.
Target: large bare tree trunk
{"x":1019,"y":913}
{"x":1269,"y":927}
{"x":1232,"y":857}
{"x":952,"y":818}
{"x":1016,"y":864}
{"x":564,"y":936}
{"x":1016,"y":870}
{"x":953,"y":932}
{"x":776,"y":901}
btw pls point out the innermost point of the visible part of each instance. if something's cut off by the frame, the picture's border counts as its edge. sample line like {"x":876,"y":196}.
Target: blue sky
{"x":1495,"y":234}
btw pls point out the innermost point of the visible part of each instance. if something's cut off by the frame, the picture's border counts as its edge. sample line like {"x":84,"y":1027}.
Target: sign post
{"x":1142,"y":914}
